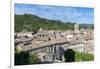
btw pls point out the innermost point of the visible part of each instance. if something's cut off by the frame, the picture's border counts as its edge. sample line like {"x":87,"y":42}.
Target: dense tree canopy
{"x":69,"y":55}
{"x":25,"y":58}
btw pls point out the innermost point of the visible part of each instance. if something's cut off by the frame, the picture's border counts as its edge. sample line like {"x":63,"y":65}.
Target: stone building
{"x":44,"y":43}
{"x":76,"y":28}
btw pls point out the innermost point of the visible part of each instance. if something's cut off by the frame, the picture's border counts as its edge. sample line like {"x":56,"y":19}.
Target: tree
{"x":21,"y":58}
{"x":25,"y":58}
{"x":33,"y":59}
{"x":69,"y":55}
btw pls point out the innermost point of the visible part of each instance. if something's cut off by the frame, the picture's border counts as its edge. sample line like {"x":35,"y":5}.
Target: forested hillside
{"x":28,"y":22}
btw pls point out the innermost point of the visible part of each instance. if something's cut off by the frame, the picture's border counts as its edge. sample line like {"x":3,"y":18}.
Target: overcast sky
{"x":62,"y":13}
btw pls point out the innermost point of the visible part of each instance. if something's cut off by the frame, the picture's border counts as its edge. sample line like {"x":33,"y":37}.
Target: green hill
{"x":28,"y":22}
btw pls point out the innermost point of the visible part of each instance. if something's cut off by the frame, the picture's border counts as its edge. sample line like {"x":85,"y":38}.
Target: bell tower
{"x":76,"y":27}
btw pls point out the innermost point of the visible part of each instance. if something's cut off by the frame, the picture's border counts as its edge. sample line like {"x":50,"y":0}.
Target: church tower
{"x":76,"y":27}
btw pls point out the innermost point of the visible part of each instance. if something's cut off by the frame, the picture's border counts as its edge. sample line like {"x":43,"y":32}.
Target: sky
{"x":63,"y":13}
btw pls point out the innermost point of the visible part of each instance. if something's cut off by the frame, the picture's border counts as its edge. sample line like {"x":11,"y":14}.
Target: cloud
{"x":62,"y":13}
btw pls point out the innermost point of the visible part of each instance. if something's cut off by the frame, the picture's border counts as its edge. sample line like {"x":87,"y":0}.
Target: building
{"x":44,"y":43}
{"x":76,"y":28}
